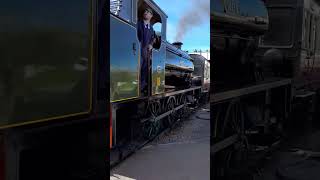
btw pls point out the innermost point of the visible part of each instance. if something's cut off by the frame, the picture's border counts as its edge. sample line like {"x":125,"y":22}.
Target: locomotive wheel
{"x":233,"y":157}
{"x":170,"y":105}
{"x":152,"y":127}
{"x":234,"y":119}
{"x":183,"y":101}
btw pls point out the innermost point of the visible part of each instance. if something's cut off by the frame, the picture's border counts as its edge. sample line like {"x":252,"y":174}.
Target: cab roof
{"x":156,"y":7}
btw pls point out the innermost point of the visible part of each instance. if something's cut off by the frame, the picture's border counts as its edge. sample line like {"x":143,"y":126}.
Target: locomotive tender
{"x":201,"y":73}
{"x":135,"y":118}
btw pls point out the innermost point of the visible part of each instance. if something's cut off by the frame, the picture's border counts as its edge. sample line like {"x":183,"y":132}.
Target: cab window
{"x":158,"y":33}
{"x":280,"y":27}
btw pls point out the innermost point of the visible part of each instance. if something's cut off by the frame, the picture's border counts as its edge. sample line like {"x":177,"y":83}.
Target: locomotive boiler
{"x":179,"y":67}
{"x":235,"y":30}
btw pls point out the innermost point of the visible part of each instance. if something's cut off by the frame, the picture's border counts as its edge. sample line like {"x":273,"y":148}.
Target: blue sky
{"x":196,"y":38}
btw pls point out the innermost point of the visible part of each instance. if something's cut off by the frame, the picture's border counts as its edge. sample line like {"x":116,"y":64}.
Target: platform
{"x":181,"y":154}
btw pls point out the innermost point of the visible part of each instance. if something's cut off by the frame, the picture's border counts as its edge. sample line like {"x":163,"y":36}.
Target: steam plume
{"x":196,"y":15}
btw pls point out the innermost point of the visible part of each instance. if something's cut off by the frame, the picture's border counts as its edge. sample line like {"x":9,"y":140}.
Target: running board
{"x":224,"y":144}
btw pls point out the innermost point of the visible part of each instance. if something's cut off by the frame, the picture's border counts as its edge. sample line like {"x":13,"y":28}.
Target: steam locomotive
{"x":54,"y":85}
{"x":171,"y":87}
{"x":265,"y":57}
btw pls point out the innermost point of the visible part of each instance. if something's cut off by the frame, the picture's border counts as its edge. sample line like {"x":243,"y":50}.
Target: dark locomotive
{"x":265,"y":57}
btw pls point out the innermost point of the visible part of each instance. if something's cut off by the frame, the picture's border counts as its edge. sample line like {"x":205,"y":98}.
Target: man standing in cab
{"x":146,"y":37}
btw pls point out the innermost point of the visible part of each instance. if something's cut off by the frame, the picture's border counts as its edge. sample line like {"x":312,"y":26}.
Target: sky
{"x":197,"y":37}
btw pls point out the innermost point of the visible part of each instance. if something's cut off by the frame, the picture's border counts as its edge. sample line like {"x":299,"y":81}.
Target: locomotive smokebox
{"x":178,"y":44}
{"x":273,"y":61}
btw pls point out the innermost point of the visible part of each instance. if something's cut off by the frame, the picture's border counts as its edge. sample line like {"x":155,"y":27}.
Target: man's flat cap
{"x":149,"y":10}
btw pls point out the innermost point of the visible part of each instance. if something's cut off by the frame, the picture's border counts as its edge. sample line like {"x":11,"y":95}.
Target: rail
{"x":221,"y":96}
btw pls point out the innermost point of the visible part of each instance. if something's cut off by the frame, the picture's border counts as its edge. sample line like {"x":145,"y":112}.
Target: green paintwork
{"x":159,"y":55}
{"x":45,"y":60}
{"x":158,"y":69}
{"x":124,"y":61}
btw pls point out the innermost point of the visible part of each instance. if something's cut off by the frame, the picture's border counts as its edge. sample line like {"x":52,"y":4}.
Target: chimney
{"x":178,"y":44}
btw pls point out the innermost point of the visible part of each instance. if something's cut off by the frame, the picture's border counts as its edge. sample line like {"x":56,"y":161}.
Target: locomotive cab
{"x":154,"y":74}
{"x":125,"y":54}
{"x":291,"y":46}
{"x":156,"y":22}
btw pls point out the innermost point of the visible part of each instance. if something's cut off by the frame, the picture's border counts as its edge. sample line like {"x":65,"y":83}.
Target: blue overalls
{"x":145,"y":36}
